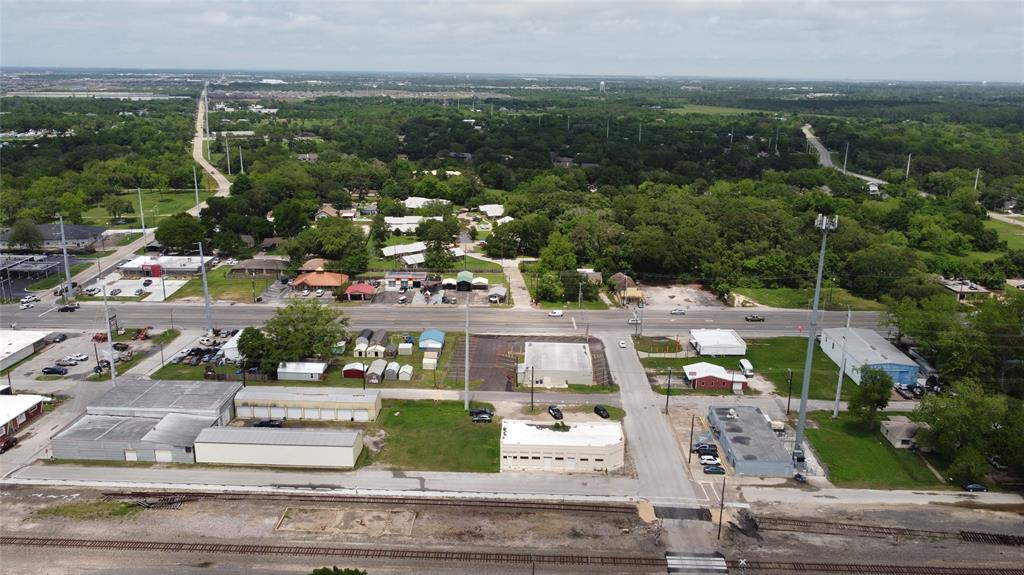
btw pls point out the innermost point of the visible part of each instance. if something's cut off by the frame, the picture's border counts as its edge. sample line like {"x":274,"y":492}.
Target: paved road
{"x":825,"y":157}
{"x":1006,"y":219}
{"x":223,"y":185}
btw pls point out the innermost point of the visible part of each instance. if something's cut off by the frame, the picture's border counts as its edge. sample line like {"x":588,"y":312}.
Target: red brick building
{"x":705,"y":375}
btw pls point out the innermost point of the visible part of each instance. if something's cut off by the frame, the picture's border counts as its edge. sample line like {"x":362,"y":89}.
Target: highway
{"x":825,"y":157}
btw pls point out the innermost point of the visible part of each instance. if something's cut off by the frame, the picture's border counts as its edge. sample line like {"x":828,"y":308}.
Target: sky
{"x":967,"y":40}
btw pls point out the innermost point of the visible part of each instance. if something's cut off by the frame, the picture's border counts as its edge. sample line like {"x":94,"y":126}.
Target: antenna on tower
{"x":907,"y":176}
{"x":977,"y":175}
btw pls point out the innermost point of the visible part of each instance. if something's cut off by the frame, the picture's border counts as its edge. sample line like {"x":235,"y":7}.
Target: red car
{"x":7,"y":442}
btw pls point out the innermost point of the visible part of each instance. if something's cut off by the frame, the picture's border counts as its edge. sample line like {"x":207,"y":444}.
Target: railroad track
{"x":860,"y":530}
{"x":491,"y":504}
{"x":864,"y":568}
{"x":639,"y":562}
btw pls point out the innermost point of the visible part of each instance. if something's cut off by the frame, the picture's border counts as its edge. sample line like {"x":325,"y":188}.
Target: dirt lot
{"x":492,"y":359}
{"x":283,"y":522}
{"x":684,"y":296}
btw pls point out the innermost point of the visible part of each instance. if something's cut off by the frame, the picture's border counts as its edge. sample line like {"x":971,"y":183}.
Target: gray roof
{"x":380,"y":337}
{"x":261,"y":436}
{"x":498,"y":290}
{"x":51,"y":232}
{"x":867,"y":346}
{"x":378,"y":366}
{"x":169,"y":396}
{"x":109,"y":428}
{"x":749,"y":435}
{"x":178,"y":429}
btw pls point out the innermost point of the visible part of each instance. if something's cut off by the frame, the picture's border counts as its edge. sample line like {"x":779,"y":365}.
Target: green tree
{"x":549,"y":287}
{"x":303,"y":329}
{"x":876,"y":270}
{"x":963,"y":424}
{"x":254,"y":346}
{"x":117,"y":206}
{"x":24,"y":233}
{"x":379,"y":229}
{"x":872,"y":395}
{"x":71,"y":205}
{"x":291,"y":217}
{"x":336,"y":238}
{"x":438,"y":258}
{"x":180,"y":232}
{"x":559,"y":255}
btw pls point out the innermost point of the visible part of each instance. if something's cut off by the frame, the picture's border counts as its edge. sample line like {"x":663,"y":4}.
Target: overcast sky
{"x":855,"y":39}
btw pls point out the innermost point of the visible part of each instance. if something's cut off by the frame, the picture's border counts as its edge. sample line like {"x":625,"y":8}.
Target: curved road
{"x":825,"y":157}
{"x":223,"y":185}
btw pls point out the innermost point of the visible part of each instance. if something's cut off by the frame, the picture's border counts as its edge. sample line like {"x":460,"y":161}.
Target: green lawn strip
{"x":125,"y":239}
{"x":111,"y":298}
{"x":858,"y":456}
{"x":614,"y":413}
{"x":96,"y":255}
{"x":121,"y":366}
{"x":772,"y":358}
{"x":50,"y":282}
{"x":165,"y":337}
{"x":158,"y":205}
{"x":472,"y":263}
{"x":791,"y":298}
{"x":572,"y":305}
{"x":223,"y":287}
{"x":681,"y":389}
{"x":1012,"y":234}
{"x":51,"y":377}
{"x":649,"y":344}
{"x":84,"y":510}
{"x":436,"y":436}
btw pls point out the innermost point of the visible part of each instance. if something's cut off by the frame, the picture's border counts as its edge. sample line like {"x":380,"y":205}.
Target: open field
{"x":858,"y":456}
{"x":656,"y":344}
{"x":1011,"y":234}
{"x":791,"y":298}
{"x":97,"y":509}
{"x":158,"y":204}
{"x":772,"y":359}
{"x":223,"y":287}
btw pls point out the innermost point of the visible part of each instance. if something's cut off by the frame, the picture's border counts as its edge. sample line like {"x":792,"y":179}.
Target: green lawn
{"x":50,"y":282}
{"x":223,"y":287}
{"x":791,"y":298}
{"x":858,"y":456}
{"x":436,"y":436}
{"x":772,"y":358}
{"x":1012,"y":234}
{"x":679,"y":388}
{"x":166,"y":337}
{"x":125,"y":239}
{"x":96,"y":255}
{"x":157,"y":205}
{"x":649,"y":344}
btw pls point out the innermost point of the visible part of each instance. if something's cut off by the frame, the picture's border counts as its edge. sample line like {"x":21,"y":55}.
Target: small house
{"x":901,"y":432}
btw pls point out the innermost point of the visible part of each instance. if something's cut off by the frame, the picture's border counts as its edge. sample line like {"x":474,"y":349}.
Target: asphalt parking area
{"x":493,"y":359}
{"x":157,"y":291}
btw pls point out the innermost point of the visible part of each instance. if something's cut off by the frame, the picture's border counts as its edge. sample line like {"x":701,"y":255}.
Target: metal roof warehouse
{"x":305,"y":447}
{"x":145,"y":398}
{"x":751,"y":446}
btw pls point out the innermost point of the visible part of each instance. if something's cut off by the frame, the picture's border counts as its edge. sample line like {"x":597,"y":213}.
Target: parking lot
{"x":76,"y":342}
{"x":493,"y":359}
{"x":157,"y":291}
{"x":672,"y":296}
{"x":438,"y":297}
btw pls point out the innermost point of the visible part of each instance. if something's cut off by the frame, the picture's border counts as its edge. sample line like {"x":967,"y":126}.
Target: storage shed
{"x":307,"y":403}
{"x":497,"y":294}
{"x":168,"y":439}
{"x":751,"y":446}
{"x":391,"y":371}
{"x":354,"y":370}
{"x":364,"y":336}
{"x":375,"y":373}
{"x":301,"y":370}
{"x":378,"y":343}
{"x":360,"y":349}
{"x":147,"y":398}
{"x":480,"y":283}
{"x":405,"y":348}
{"x":405,"y":373}
{"x":717,"y":342}
{"x":703,"y":375}
{"x":464,"y":281}
{"x":449,"y":283}
{"x":432,"y":339}
{"x":279,"y":447}
{"x":583,"y":447}
{"x":867,"y":348}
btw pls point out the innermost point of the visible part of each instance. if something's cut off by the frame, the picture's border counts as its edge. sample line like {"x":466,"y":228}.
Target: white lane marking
{"x":574,"y":323}
{"x":46,"y":312}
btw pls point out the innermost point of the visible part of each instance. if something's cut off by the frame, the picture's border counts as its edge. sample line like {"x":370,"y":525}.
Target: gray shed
{"x":391,"y":350}
{"x":169,"y":439}
{"x":364,"y":337}
{"x":391,"y":371}
{"x":375,"y":373}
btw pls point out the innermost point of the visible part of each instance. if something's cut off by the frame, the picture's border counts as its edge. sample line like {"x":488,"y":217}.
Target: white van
{"x":746,"y":368}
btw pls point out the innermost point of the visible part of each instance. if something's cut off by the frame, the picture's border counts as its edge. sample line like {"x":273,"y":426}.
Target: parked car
{"x":268,"y":423}
{"x":66,"y":362}
{"x":904,"y":392}
{"x":602,"y":411}
{"x":147,"y":283}
{"x":622,"y":343}
{"x":79,"y":357}
{"x":481,"y":418}
{"x":59,"y":337}
{"x":54,"y":371}
{"x":678,"y":311}
{"x":556,"y":313}
{"x":7,"y":442}
{"x":555,"y":412}
{"x":714,"y":470}
{"x":305,"y":293}
{"x":320,"y":292}
{"x":710,"y":460}
{"x":699,"y":446}
{"x":27,"y":305}
{"x":975,"y":488}
{"x":92,"y":291}
{"x":754,"y":317}
{"x":205,"y":341}
{"x":139,"y":292}
{"x":29,"y":299}
{"x":479,"y":411}
{"x":115,"y":291}
{"x":997,"y":463}
{"x":633,"y":321}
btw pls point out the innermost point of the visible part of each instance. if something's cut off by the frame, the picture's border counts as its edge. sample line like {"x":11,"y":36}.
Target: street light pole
{"x":110,"y":337}
{"x":842,"y":367}
{"x":206,"y":291}
{"x":67,"y":264}
{"x":465,"y":367}
{"x":142,"y":214}
{"x":826,"y":224}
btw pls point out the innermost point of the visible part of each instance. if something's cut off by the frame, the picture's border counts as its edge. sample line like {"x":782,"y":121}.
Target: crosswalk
{"x":699,"y":563}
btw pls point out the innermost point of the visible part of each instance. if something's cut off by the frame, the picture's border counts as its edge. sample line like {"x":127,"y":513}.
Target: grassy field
{"x":649,"y":344}
{"x":223,"y":287}
{"x":125,"y":239}
{"x":680,"y":389}
{"x":790,"y":298}
{"x":715,"y":110}
{"x":98,"y":509}
{"x":858,"y":456}
{"x":96,"y":255}
{"x":436,"y":436}
{"x":157,"y":205}
{"x":1012,"y":234}
{"x":51,"y":282}
{"x":772,"y":358}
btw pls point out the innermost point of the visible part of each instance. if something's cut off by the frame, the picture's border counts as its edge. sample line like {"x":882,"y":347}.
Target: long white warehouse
{"x":279,"y":447}
{"x":307,"y":403}
{"x":717,"y":342}
{"x":583,"y":447}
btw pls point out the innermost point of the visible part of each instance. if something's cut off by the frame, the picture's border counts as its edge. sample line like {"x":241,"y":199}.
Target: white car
{"x":320,"y":292}
{"x":305,"y":293}
{"x":556,"y":313}
{"x":79,"y":357}
{"x":622,"y":343}
{"x":710,"y":460}
{"x":205,"y":341}
{"x":29,"y":299}
{"x":678,"y":311}
{"x":232,"y":262}
{"x":27,"y":305}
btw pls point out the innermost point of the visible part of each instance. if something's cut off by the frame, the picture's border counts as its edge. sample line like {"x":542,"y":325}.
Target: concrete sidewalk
{"x":758,"y":494}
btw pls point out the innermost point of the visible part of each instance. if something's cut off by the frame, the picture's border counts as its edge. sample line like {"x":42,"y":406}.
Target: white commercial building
{"x":403,"y":249}
{"x":301,"y":370}
{"x":279,"y":447}
{"x":155,"y":399}
{"x":17,"y":344}
{"x":406,"y":224}
{"x":157,"y":266}
{"x":18,"y":410}
{"x":717,"y":342}
{"x":583,"y":447}
{"x":556,"y":364}
{"x":307,"y":403}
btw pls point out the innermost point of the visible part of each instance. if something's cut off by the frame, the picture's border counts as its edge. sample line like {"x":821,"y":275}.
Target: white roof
{"x":322,"y":394}
{"x":713,"y":337}
{"x":505,"y":220}
{"x":405,"y":369}
{"x":415,"y":202}
{"x":355,"y":364}
{"x":413,"y":220}
{"x":403,"y":249}
{"x":704,"y":369}
{"x":561,"y":356}
{"x":457,"y":252}
{"x":302,"y":367}
{"x":492,"y":210}
{"x":14,"y":340}
{"x":11,"y":406}
{"x":479,"y":281}
{"x":414,"y":259}
{"x":262,"y":436}
{"x":170,"y":263}
{"x":867,"y":346}
{"x":584,"y":434}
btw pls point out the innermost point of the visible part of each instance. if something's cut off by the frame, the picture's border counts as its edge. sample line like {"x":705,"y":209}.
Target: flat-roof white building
{"x":149,"y":398}
{"x":583,"y":447}
{"x":717,"y":342}
{"x":279,"y":447}
{"x":416,"y":202}
{"x":492,"y":210}
{"x":157,"y":266}
{"x":307,"y":403}
{"x":17,"y":344}
{"x":18,"y":410}
{"x":301,"y":370}
{"x":556,"y":364}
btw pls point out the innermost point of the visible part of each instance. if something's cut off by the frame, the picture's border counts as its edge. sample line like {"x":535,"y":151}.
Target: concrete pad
{"x":158,"y":290}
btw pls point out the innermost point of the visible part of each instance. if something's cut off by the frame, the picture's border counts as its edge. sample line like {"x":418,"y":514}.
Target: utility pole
{"x":110,"y":336}
{"x":533,"y":383}
{"x":907,"y":176}
{"x":689,"y":458}
{"x":668,"y":392}
{"x":721,"y":510}
{"x":842,"y":366}
{"x":241,"y":160}
{"x":465,"y":367}
{"x":142,"y":214}
{"x":67,"y":264}
{"x":580,"y":304}
{"x":826,"y":224}
{"x":206,"y":292}
{"x":977,"y":175}
{"x":227,"y":152}
{"x":789,"y":396}
{"x":846,"y":155}
{"x":195,"y":182}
